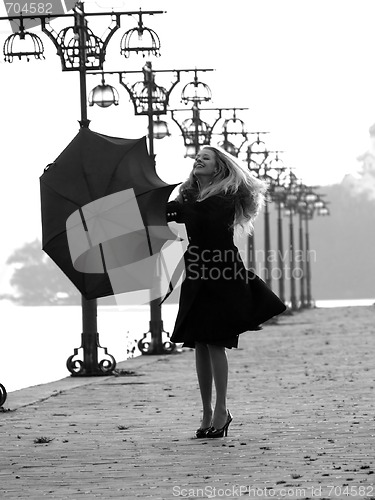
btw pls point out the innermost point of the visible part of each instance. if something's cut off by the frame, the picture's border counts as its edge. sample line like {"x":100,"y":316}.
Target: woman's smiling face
{"x":205,"y":163}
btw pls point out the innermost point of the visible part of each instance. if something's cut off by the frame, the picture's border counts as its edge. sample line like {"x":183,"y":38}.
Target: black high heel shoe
{"x":218,"y":433}
{"x":201,"y":433}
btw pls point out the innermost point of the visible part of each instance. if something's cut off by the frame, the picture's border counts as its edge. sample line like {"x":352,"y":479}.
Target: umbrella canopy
{"x":104,"y":209}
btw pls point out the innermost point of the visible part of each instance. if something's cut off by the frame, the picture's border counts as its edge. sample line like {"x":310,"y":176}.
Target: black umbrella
{"x":104,"y":214}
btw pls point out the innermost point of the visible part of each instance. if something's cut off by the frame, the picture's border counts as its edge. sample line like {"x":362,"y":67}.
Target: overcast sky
{"x":304,"y":68}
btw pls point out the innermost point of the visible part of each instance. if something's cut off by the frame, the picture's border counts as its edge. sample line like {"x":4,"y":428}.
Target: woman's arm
{"x":175,"y":212}
{"x":214,"y":207}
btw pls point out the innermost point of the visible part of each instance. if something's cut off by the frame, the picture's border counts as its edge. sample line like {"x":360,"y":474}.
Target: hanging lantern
{"x":71,"y":52}
{"x":104,"y":96}
{"x":229,"y":147}
{"x":196,"y":133}
{"x":196,"y":92}
{"x":140,"y":40}
{"x":323,"y":211}
{"x":160,"y":128}
{"x":159,"y":98}
{"x":23,"y":44}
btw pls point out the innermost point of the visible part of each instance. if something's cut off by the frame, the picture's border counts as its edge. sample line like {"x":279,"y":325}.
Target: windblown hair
{"x":230,"y":179}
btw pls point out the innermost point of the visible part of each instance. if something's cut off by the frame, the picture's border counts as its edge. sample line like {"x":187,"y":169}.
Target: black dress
{"x":219,"y":298}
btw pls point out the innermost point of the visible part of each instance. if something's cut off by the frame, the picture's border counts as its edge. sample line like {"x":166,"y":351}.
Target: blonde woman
{"x":219,"y":298}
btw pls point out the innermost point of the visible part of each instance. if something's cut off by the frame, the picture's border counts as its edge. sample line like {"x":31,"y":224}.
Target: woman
{"x":219,"y":298}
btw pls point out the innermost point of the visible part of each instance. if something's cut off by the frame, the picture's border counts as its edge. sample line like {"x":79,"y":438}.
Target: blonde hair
{"x":230,"y":179}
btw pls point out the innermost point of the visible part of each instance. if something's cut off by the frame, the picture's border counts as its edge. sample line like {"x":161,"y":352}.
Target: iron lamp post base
{"x":153,"y":343}
{"x":90,"y":366}
{"x":3,"y":395}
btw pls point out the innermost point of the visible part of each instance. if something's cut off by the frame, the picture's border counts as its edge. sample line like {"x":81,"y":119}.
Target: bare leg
{"x":204,"y":373}
{"x":219,"y":363}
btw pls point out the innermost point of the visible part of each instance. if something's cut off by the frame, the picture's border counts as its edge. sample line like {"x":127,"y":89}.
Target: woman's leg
{"x":204,"y":373}
{"x":219,"y":364}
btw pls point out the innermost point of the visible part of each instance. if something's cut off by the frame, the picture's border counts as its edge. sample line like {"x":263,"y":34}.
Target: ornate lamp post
{"x":314,"y":203}
{"x":234,"y":134}
{"x":79,"y":50}
{"x":301,"y":207}
{"x":309,"y":213}
{"x":257,"y":157}
{"x":305,"y":196}
{"x":278,"y":193}
{"x":3,"y":395}
{"x":291,"y":200}
{"x":151,"y":100}
{"x":196,"y":132}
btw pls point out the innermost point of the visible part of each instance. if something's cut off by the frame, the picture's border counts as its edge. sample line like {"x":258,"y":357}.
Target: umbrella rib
{"x":135,"y":144}
{"x":170,"y":286}
{"x":148,"y":240}
{"x":103,"y":259}
{"x":59,"y":194}
{"x":85,"y":226}
{"x":89,"y":239}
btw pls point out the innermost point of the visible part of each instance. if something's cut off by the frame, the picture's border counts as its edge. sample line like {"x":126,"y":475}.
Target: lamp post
{"x":314,"y":204}
{"x":303,"y":254}
{"x":291,"y":199}
{"x":151,"y":100}
{"x":303,"y":207}
{"x":196,"y":132}
{"x":80,"y":50}
{"x":257,"y":157}
{"x":278,"y":196}
{"x":308,"y":216}
{"x":290,"y":212}
{"x":234,"y":134}
{"x":308,"y":202}
{"x":3,"y":395}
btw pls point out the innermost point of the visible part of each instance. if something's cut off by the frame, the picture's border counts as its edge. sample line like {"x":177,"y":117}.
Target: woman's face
{"x":205,"y":163}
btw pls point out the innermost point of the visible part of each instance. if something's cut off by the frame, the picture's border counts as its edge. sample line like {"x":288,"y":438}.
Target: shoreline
{"x":331,"y":313}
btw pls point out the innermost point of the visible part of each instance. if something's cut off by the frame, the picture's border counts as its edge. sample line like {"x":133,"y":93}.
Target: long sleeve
{"x":209,"y":223}
{"x":175,"y":212}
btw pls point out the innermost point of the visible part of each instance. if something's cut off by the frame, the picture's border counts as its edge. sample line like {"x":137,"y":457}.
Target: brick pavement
{"x":301,"y":393}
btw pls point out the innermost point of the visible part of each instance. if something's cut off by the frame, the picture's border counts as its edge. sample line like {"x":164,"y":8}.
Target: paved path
{"x":302,"y":394}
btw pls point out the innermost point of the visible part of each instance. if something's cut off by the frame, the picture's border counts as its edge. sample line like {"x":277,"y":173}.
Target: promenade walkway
{"x":302,"y":394}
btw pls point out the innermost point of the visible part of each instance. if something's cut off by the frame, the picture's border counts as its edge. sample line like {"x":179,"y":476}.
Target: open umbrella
{"x":104,"y":214}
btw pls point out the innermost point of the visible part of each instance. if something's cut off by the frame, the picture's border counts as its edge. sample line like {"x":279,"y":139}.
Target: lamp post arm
{"x":133,"y":97}
{"x":54,"y":37}
{"x":174,"y":83}
{"x":112,"y":31}
{"x":122,"y":82}
{"x":220,"y":114}
{"x":172,"y":111}
{"x":121,"y":75}
{"x":87,"y":14}
{"x":51,"y":33}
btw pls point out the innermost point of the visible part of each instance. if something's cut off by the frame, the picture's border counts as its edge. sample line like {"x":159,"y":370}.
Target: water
{"x":345,"y":303}
{"x":35,"y":342}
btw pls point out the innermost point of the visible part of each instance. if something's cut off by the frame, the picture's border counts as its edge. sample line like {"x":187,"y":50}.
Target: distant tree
{"x":37,"y":280}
